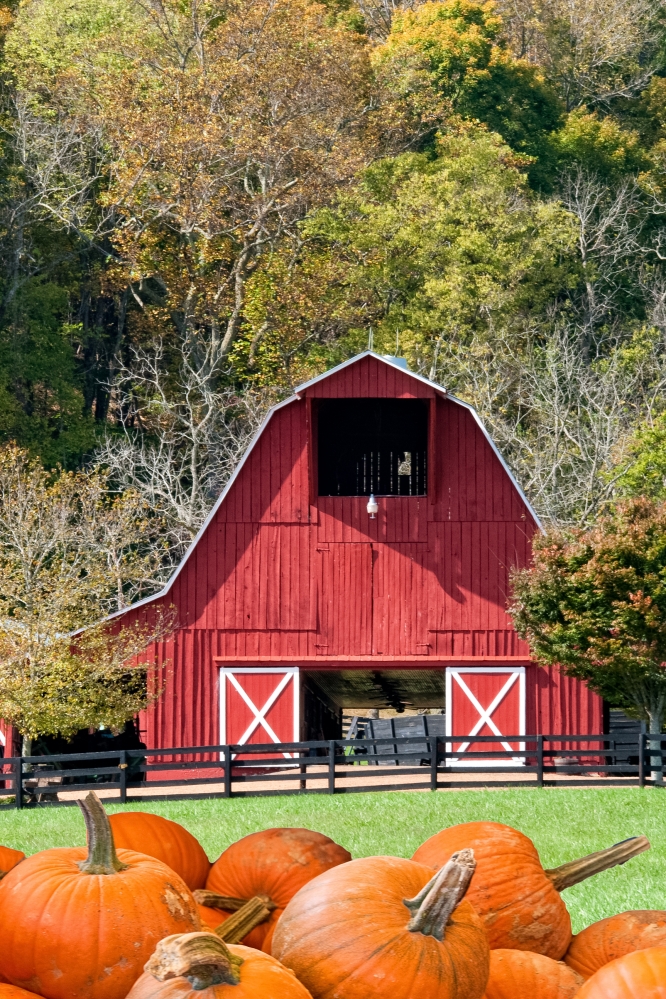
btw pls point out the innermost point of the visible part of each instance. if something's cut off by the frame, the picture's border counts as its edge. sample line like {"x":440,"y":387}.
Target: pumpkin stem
{"x":102,"y":857}
{"x":576,"y":871}
{"x":433,"y":905}
{"x":254,"y":912}
{"x":226,"y":903}
{"x":202,"y":958}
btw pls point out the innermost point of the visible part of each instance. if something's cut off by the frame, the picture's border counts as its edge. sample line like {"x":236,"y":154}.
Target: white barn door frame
{"x":259,"y":712}
{"x":514,"y":675}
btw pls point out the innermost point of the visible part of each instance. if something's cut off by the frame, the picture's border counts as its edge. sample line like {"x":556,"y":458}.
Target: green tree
{"x":599,"y":144}
{"x":446,"y":248}
{"x":454,"y":49}
{"x":644,"y":472}
{"x":593,"y":603}
{"x":41,"y":393}
{"x":44,"y":350}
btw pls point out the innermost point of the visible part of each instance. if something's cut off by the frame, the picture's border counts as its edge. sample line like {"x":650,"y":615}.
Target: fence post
{"x":331,"y":767}
{"x":18,"y":783}
{"x":539,"y":779}
{"x":641,"y":759}
{"x":122,"y":781}
{"x":433,"y":762}
{"x":227,"y":771}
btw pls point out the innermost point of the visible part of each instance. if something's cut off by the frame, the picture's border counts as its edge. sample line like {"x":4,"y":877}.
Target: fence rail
{"x":339,"y":766}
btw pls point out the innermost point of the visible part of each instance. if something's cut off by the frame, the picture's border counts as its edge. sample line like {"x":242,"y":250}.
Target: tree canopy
{"x":203,"y":204}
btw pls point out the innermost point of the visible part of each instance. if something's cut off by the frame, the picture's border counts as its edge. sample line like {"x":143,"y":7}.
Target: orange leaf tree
{"x":211,"y":128}
{"x":594,"y":603}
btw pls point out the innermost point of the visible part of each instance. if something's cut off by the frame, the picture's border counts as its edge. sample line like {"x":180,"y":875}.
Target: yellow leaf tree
{"x":54,"y":580}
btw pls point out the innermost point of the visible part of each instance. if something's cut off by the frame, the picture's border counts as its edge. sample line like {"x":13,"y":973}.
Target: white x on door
{"x":258,"y":706}
{"x":485,"y":701}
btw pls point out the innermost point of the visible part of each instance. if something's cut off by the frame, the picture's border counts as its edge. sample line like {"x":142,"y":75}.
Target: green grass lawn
{"x":564,"y":824}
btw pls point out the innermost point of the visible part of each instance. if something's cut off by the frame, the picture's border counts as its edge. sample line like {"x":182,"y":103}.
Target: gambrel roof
{"x":393,"y":362}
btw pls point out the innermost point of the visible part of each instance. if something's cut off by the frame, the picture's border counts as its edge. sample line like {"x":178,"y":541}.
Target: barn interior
{"x":375,"y":446}
{"x":329,"y":694}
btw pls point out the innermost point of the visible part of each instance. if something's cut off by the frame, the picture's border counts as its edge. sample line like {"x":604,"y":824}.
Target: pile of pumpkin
{"x":287,"y":914}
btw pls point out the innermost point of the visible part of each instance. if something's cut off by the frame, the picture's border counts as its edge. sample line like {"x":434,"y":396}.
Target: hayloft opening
{"x":375,"y":446}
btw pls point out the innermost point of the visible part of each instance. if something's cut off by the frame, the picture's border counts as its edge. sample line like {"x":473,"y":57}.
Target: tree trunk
{"x":656,"y":716}
{"x":26,"y":749}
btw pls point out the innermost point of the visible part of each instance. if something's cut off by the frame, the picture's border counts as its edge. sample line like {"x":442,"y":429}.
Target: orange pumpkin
{"x":517,"y":899}
{"x":80,"y":924}
{"x":11,"y":992}
{"x":199,"y":964}
{"x":275,"y":863}
{"x":165,"y":840}
{"x":614,"y":937}
{"x":639,"y":975}
{"x":522,"y":974}
{"x":385,"y":928}
{"x":9,"y":858}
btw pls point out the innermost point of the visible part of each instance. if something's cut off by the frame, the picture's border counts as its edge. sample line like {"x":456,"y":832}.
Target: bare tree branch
{"x":181,"y":437}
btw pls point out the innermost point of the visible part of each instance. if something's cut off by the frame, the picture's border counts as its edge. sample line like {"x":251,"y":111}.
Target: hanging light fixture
{"x":373,"y":506}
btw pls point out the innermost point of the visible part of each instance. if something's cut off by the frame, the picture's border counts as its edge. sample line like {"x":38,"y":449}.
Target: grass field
{"x":564,"y":824}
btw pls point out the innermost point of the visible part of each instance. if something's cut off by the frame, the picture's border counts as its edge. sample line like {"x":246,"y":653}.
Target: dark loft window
{"x":373,"y":446}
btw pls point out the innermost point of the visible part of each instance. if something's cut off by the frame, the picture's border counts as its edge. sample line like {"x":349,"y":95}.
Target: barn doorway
{"x":335,"y":695}
{"x":398,"y":689}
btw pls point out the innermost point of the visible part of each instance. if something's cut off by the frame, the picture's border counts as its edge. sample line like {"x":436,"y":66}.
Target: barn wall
{"x":562,"y":704}
{"x":282,"y":573}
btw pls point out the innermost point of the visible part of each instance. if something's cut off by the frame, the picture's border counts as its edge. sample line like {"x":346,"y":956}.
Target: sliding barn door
{"x":258,"y":706}
{"x":485,"y":702}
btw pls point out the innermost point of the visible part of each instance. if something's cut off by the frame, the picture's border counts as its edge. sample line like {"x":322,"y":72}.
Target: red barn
{"x":297,"y":600}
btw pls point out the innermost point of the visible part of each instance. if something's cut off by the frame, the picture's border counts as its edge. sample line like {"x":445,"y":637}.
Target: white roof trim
{"x":280,"y":405}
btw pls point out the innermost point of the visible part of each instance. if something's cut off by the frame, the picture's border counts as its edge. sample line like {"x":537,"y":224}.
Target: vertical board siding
{"x":562,"y":704}
{"x":399,"y":518}
{"x":372,"y":379}
{"x":272,"y":576}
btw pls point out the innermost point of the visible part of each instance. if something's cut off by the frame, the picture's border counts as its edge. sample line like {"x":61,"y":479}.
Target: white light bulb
{"x":373,"y":506}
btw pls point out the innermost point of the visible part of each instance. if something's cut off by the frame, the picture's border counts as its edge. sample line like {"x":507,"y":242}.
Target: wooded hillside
{"x":203,"y":203}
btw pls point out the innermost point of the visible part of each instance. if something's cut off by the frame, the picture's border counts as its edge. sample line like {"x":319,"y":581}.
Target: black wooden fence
{"x":334,"y":767}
